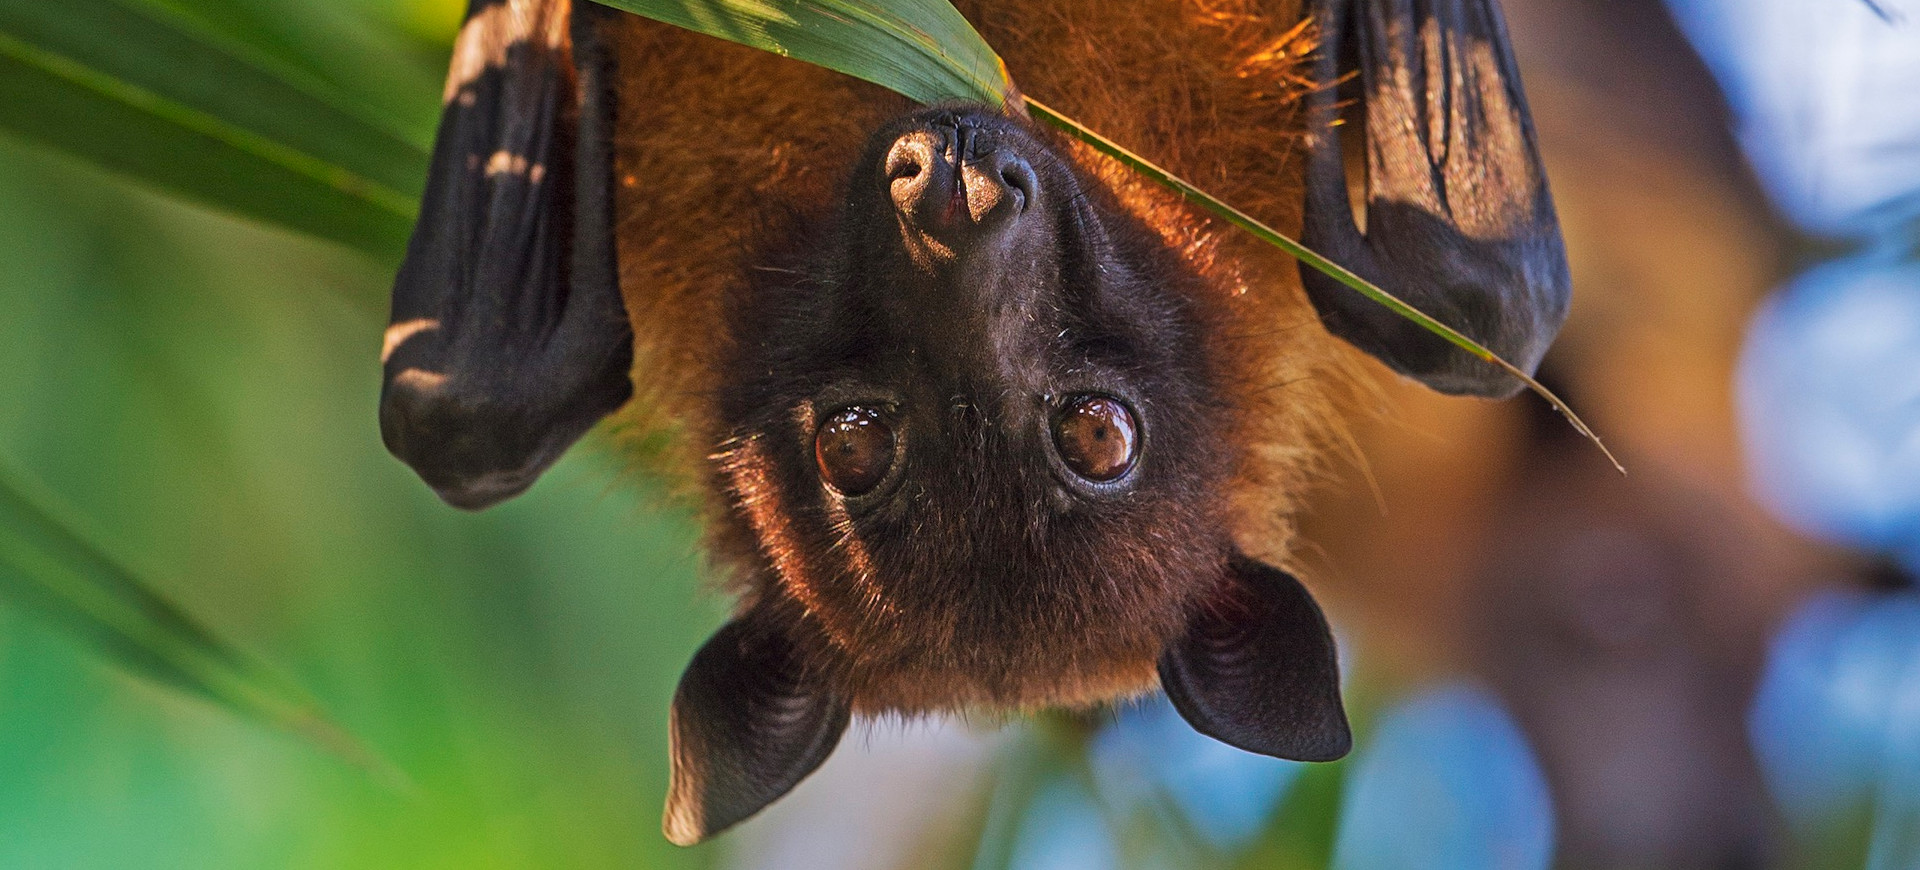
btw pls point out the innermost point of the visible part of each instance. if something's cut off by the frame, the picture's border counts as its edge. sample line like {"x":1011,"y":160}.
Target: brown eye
{"x":1098,"y":437}
{"x":854,"y":449}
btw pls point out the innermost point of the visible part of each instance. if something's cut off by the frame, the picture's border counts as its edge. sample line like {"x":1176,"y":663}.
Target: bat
{"x":979,"y":422}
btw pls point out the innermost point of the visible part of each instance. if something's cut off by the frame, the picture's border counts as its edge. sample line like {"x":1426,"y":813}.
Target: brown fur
{"x":715,"y":137}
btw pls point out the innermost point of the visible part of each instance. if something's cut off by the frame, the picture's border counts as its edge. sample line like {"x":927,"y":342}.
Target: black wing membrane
{"x":748,"y":725}
{"x":1459,"y":222}
{"x":1256,"y":669}
{"x":509,"y":338}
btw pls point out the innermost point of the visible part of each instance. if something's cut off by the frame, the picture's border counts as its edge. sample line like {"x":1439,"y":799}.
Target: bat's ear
{"x":1256,"y":668}
{"x":509,"y":338}
{"x":749,"y":722}
{"x":1459,"y":222}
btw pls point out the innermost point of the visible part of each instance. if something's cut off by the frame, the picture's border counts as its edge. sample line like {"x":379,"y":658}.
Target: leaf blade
{"x":922,"y":49}
{"x":48,"y":566}
{"x":139,"y":93}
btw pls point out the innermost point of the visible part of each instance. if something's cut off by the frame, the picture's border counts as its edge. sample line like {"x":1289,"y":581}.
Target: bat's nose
{"x":952,"y":180}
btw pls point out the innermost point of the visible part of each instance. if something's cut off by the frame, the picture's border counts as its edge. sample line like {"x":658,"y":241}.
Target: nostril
{"x":1017,"y":180}
{"x":909,"y":157}
{"x":1018,"y":176}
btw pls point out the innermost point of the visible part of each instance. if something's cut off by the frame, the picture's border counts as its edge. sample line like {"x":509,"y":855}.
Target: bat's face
{"x":974,"y":455}
{"x":976,"y":432}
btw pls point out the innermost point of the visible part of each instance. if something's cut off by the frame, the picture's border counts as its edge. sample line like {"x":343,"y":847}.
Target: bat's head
{"x":976,"y":446}
{"x":977,"y":434}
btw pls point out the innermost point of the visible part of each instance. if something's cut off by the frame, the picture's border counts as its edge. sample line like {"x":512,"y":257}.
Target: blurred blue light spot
{"x":1225,"y":794}
{"x":1836,"y":721}
{"x":1823,"y":97}
{"x":1063,"y":830}
{"x":1815,"y":720}
{"x":1829,"y":390}
{"x":1447,"y":781}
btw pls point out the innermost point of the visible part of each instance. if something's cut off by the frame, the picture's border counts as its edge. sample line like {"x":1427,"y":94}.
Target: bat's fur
{"x":727,"y":154}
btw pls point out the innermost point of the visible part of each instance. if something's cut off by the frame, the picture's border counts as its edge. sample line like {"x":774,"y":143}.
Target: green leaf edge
{"x":296,"y":79}
{"x":186,"y":117}
{"x":63,"y":566}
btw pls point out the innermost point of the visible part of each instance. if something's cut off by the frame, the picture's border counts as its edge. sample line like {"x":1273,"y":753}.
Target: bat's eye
{"x":854,"y":449}
{"x":1097,"y":437}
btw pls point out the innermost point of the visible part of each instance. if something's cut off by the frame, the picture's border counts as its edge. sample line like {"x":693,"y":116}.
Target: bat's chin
{"x":1001,"y":629}
{"x":967,"y":691}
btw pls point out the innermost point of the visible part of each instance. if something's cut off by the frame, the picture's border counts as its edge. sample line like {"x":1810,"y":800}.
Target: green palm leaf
{"x":47,"y":566}
{"x":138,"y":89}
{"x":922,"y":49}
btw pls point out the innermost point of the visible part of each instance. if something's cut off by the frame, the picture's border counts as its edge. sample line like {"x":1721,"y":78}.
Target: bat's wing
{"x":1459,"y":222}
{"x":748,"y":725}
{"x":1256,"y":669}
{"x":509,"y":338}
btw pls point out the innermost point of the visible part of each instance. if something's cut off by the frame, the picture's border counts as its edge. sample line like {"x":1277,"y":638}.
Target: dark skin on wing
{"x":973,"y":444}
{"x":1459,"y":222}
{"x":508,"y":338}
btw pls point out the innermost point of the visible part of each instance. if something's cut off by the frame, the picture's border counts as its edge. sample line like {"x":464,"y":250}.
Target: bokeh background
{"x":1713,"y":662}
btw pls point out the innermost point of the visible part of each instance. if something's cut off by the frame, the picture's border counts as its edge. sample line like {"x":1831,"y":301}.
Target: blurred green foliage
{"x":199,"y":392}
